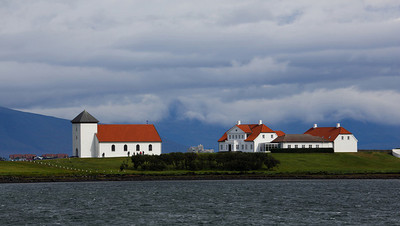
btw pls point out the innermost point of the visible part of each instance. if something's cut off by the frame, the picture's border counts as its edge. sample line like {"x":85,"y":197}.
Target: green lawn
{"x":337,"y":163}
{"x":304,"y":163}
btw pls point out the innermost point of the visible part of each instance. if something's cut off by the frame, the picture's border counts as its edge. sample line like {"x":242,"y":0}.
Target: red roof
{"x":328,"y":133}
{"x":280,"y":133}
{"x":252,"y":130}
{"x":127,"y":133}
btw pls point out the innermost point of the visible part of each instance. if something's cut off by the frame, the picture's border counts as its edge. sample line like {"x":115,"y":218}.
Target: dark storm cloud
{"x":216,"y":59}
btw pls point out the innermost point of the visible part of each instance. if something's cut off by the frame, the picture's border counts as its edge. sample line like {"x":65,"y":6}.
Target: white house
{"x":342,"y":139}
{"x":247,"y":138}
{"x":93,"y":140}
{"x":260,"y":138}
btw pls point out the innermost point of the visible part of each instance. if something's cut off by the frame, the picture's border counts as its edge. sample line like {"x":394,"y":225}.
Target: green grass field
{"x":337,"y":163}
{"x":307,"y":163}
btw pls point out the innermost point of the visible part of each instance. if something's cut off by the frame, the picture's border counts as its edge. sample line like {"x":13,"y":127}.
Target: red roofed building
{"x":342,"y":139}
{"x":247,"y":138}
{"x":91,"y":140}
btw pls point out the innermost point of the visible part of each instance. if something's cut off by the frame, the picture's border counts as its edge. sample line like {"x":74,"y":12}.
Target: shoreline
{"x":131,"y":177}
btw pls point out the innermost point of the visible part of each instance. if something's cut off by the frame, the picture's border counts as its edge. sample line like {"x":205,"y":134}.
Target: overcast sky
{"x":216,"y":61}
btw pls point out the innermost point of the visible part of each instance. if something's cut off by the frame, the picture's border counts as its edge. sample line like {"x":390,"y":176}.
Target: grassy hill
{"x":291,"y":165}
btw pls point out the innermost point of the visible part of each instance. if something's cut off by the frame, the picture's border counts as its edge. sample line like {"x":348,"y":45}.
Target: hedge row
{"x":232,"y":161}
{"x":302,"y":150}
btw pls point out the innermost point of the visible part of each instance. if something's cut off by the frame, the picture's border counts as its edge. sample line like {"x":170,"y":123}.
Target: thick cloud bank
{"x":215,"y":61}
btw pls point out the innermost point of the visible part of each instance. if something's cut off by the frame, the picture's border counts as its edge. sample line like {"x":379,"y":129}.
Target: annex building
{"x":260,"y":138}
{"x":93,"y":140}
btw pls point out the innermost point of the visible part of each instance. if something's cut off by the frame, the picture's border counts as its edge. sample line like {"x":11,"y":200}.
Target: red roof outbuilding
{"x":328,"y":133}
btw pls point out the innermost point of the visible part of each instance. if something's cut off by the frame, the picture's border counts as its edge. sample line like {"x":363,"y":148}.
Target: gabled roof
{"x":127,"y":133}
{"x":252,"y":131}
{"x":84,"y":117}
{"x":298,"y":138}
{"x":279,"y":133}
{"x":328,"y":133}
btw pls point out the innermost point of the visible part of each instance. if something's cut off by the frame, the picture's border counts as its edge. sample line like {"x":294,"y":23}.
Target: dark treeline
{"x":234,"y":161}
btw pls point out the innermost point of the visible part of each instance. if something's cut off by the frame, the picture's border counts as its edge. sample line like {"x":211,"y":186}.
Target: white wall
{"x":307,"y":144}
{"x":83,"y":139}
{"x":345,"y":143}
{"x":105,"y":147}
{"x":263,"y":138}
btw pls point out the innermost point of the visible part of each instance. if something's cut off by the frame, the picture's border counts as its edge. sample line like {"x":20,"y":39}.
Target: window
{"x":348,"y":137}
{"x":303,"y":146}
{"x":310,"y":146}
{"x":317,"y":146}
{"x":296,"y":146}
{"x":251,"y":146}
{"x":237,"y":146}
{"x":246,"y":146}
{"x":342,"y":137}
{"x":137,"y":147}
{"x":272,"y":136}
{"x":289,"y":146}
{"x":222,"y":147}
{"x":263,"y":136}
{"x":230,"y":137}
{"x":113,"y":147}
{"x":150,"y":147}
{"x":125,"y":147}
{"x":242,"y":146}
{"x":235,"y":136}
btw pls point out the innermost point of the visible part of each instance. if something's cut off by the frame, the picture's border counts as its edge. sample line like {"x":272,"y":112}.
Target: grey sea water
{"x":238,"y":202}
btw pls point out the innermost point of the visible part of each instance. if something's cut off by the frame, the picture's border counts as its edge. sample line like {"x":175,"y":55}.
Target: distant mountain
{"x":28,"y":133}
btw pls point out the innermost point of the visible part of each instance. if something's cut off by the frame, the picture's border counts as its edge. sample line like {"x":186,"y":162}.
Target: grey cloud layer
{"x":222,"y":61}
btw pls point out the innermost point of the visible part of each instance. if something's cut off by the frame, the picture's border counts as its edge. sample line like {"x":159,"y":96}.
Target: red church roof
{"x":252,"y":130}
{"x":127,"y":133}
{"x":328,"y":133}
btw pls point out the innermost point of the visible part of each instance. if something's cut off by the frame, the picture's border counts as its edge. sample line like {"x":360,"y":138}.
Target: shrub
{"x":234,"y":161}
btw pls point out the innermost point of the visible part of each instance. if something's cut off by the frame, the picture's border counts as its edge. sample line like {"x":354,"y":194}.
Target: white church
{"x":93,"y":140}
{"x":260,"y":138}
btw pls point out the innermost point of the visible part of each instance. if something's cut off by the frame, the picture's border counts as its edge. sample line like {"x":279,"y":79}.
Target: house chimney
{"x":338,"y":125}
{"x":259,"y":122}
{"x":238,"y":122}
{"x":315,"y":125}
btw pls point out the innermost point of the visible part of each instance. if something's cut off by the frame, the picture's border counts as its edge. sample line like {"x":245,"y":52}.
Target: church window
{"x":137,"y":147}
{"x":150,"y":147}
{"x":125,"y":147}
{"x":113,"y":147}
